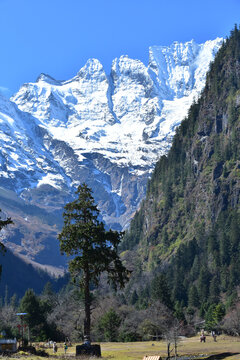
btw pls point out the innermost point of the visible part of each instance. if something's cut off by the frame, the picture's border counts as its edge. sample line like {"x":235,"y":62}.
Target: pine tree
{"x":93,"y":250}
{"x":193,"y":297}
{"x":178,"y":289}
{"x":203,"y":283}
{"x":13,"y":301}
{"x":134,"y":298}
{"x":224,"y":249}
{"x":234,"y":233}
{"x":214,"y":315}
{"x":160,"y":290}
{"x":214,"y":291}
{"x":48,"y":297}
{"x":35,"y":319}
{"x":109,"y":324}
{"x":212,"y":243}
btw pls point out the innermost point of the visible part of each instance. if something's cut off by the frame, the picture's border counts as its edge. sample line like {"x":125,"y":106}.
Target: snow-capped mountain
{"x":106,"y":130}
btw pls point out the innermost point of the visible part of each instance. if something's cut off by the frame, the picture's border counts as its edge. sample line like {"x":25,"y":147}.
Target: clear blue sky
{"x":58,"y":36}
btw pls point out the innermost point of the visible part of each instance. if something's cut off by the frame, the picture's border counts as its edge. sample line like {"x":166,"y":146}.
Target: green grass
{"x":137,"y":350}
{"x":192,"y":346}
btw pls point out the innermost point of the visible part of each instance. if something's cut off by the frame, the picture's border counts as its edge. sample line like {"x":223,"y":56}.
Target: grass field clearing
{"x":137,"y":350}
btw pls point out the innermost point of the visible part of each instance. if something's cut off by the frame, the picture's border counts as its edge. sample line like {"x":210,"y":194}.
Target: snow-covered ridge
{"x":129,"y":116}
{"x":105,"y":129}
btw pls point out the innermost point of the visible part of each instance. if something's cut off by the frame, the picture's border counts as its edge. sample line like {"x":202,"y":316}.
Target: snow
{"x":51,"y":179}
{"x":127,"y":118}
{"x":147,"y":102}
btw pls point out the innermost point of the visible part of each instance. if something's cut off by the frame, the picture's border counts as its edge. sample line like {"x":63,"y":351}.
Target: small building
{"x":8,"y":345}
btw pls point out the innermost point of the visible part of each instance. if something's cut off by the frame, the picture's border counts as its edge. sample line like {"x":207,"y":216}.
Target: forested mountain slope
{"x":189,"y":224}
{"x":17,"y":276}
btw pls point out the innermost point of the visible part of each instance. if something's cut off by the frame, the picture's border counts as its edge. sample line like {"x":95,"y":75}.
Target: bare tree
{"x":231,"y":322}
{"x":156,"y":319}
{"x":68,"y":316}
{"x":172,"y":337}
{"x":8,"y":318}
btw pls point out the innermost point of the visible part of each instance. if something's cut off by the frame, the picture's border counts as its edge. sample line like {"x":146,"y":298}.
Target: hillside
{"x":18,"y":276}
{"x":188,"y":226}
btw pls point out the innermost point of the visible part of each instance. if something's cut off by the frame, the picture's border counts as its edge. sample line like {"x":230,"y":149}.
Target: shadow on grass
{"x":221,"y":356}
{"x":211,"y":357}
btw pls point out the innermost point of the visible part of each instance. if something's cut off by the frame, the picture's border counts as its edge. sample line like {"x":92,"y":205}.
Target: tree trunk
{"x":168,"y":350}
{"x":175,"y":347}
{"x":87,"y":301}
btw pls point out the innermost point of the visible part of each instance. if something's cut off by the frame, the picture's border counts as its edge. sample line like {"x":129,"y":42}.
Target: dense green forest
{"x":188,"y":226}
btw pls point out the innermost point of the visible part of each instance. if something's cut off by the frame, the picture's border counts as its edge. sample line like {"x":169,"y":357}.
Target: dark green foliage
{"x":85,"y":238}
{"x":30,"y":304}
{"x":212,"y":243}
{"x":134,"y":298}
{"x":35,"y":318}
{"x":133,"y":235}
{"x":224,"y":249}
{"x":126,"y":335}
{"x":232,"y":300}
{"x":37,"y":309}
{"x":109,"y":325}
{"x":214,"y":290}
{"x":193,"y":297}
{"x":234,"y":233}
{"x":213,"y":316}
{"x":48,"y":298}
{"x":160,"y":290}
{"x":179,"y":291}
{"x":219,"y":274}
{"x":143,"y":297}
{"x":93,"y":249}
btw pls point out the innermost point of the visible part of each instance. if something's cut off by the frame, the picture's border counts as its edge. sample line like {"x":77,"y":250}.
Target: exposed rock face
{"x":107,"y":131}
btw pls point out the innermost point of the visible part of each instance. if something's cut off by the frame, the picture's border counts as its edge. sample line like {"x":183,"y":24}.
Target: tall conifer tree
{"x":92,"y":248}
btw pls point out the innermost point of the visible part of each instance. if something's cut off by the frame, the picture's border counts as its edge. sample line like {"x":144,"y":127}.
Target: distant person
{"x":87,"y":341}
{"x":214,"y":336}
{"x":65,"y":347}
{"x":55,"y":348}
{"x":202,"y":336}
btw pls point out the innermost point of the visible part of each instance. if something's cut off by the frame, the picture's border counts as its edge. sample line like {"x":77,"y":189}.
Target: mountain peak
{"x":181,"y":67}
{"x":92,"y":68}
{"x":47,"y":79}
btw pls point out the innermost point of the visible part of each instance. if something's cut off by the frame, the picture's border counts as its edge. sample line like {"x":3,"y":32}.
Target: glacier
{"x":105,"y":130}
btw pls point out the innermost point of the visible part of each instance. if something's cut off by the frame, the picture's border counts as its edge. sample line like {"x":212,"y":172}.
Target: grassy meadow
{"x":192,"y":346}
{"x":137,"y":350}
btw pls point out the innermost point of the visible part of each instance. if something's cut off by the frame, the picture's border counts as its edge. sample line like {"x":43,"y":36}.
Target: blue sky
{"x":58,"y":36}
